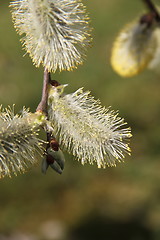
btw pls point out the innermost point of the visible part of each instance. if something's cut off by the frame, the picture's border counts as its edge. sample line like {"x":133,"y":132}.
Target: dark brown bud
{"x":148,"y":19}
{"x":54,"y":144}
{"x":54,"y":83}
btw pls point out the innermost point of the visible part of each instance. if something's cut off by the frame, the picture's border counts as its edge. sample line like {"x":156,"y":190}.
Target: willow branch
{"x":42,"y":106}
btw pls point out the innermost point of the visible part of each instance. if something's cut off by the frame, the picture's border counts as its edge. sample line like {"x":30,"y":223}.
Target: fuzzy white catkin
{"x":133,"y":49}
{"x":55,"y":32}
{"x":89,"y":131}
{"x":19,"y":143}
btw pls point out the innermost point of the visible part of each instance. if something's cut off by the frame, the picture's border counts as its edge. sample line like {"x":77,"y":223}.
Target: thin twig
{"x":42,"y":106}
{"x":152,"y":9}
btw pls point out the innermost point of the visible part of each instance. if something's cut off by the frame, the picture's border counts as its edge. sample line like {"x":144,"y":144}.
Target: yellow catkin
{"x":133,"y":49}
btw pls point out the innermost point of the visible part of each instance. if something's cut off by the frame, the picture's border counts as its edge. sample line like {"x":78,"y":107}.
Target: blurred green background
{"x":86,"y":203}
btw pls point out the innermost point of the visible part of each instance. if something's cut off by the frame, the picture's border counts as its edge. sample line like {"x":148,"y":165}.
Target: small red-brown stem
{"x":152,"y":9}
{"x":42,"y":106}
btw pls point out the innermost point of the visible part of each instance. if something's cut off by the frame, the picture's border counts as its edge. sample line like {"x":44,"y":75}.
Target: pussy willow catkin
{"x":56,"y":32}
{"x":19,"y":142}
{"x":133,"y":49}
{"x":89,"y":131}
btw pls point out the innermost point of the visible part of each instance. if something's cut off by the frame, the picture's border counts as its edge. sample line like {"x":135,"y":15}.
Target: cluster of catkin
{"x":56,"y":34}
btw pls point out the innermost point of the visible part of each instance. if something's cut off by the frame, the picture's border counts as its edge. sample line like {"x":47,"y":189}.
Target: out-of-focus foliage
{"x":86,"y":202}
